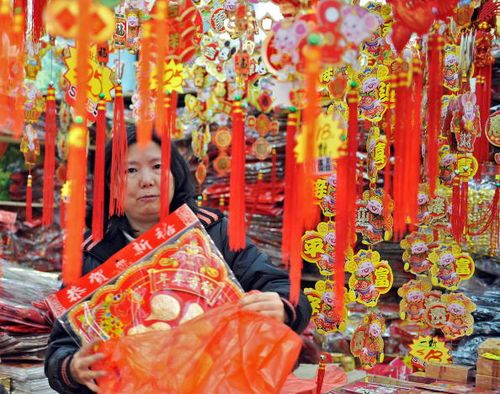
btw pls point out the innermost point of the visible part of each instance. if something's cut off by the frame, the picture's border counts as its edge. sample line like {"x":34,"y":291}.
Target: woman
{"x":67,"y":366}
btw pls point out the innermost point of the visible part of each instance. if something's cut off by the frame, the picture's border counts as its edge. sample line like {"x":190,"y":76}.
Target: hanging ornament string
{"x":77,"y":153}
{"x":434,"y":94}
{"x":49,"y":161}
{"x":236,"y":227}
{"x":99,"y":172}
{"x":388,"y":136}
{"x":290,"y":186}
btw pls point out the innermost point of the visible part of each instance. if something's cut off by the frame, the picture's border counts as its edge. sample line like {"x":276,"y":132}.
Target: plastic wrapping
{"x":226,"y":350}
{"x":169,"y":275}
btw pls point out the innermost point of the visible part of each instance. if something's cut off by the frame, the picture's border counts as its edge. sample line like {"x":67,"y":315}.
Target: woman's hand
{"x":267,"y":303}
{"x":80,"y":367}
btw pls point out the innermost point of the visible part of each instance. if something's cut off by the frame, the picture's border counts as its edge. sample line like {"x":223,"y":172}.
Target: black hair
{"x":184,"y":192}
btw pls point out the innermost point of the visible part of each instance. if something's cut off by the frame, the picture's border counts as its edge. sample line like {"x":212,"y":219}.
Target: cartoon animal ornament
{"x":322,"y":301}
{"x":30,"y":146}
{"x":374,"y":93}
{"x":370,"y":277}
{"x":375,"y":149}
{"x":370,"y":218}
{"x":417,"y":296}
{"x":417,"y":247}
{"x":450,"y":266}
{"x":466,"y":121}
{"x":452,"y":68}
{"x":447,"y":165}
{"x":281,"y":50}
{"x":367,"y":343}
{"x":460,"y":321}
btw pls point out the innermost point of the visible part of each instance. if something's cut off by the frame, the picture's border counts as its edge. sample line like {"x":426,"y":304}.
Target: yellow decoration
{"x":174,"y":75}
{"x":450,"y":266}
{"x":328,"y":139}
{"x":100,"y":80}
{"x":429,"y":349}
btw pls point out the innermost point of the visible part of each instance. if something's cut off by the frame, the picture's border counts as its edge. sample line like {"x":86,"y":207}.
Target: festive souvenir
{"x":215,"y":56}
{"x":367,"y":343}
{"x":324,"y":191}
{"x":493,"y":129}
{"x":322,"y":302}
{"x":417,"y":296}
{"x":370,"y":277}
{"x":261,"y":148}
{"x":428,"y":349}
{"x":199,"y":142}
{"x":222,"y":139}
{"x":465,"y":121}
{"x":451,"y":68}
{"x":169,"y":275}
{"x":450,"y":266}
{"x":329,"y":21}
{"x":34,"y":104}
{"x":447,"y":165}
{"x":173,"y":77}
{"x":459,"y":310}
{"x":100,"y":83}
{"x":371,"y":221}
{"x":319,"y":247}
{"x":377,"y":47}
{"x":417,"y":247}
{"x":30,"y":146}
{"x":374,"y":93}
{"x":376,"y":154}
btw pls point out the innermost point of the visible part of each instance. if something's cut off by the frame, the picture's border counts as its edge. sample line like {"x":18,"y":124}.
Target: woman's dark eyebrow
{"x":153,"y":160}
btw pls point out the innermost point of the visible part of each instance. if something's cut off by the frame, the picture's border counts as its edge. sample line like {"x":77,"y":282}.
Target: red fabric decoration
{"x":434,"y":95}
{"x":290,"y":186}
{"x":77,"y":155}
{"x":37,"y":17}
{"x":388,"y":165}
{"x":29,"y":199}
{"x":273,"y":174}
{"x":352,"y":149}
{"x":17,"y":71}
{"x":170,"y":114}
{"x":455,"y":209}
{"x":49,"y":166}
{"x":118,"y":182}
{"x":99,"y":178}
{"x":236,"y":228}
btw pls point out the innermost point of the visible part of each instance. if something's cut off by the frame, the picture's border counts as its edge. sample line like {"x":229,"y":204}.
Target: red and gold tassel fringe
{"x":144,"y":123}
{"x":483,"y":93}
{"x":352,"y":150}
{"x":18,"y":69}
{"x":29,"y":198}
{"x":77,"y":154}
{"x":37,"y":17}
{"x":99,"y":173}
{"x":290,"y":186}
{"x":50,"y":160}
{"x":236,"y":228}
{"x":434,"y":95}
{"x":118,"y":182}
{"x":296,"y":230}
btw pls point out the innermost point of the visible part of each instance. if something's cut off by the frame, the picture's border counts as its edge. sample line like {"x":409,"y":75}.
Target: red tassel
{"x":49,"y":166}
{"x":352,"y":150}
{"x":434,"y":96}
{"x":77,"y":154}
{"x":388,"y":165}
{"x":37,"y":17}
{"x":455,"y":209}
{"x":29,"y":199}
{"x":258,"y":189}
{"x":165,"y":157}
{"x":18,"y":77}
{"x":290,"y":187}
{"x":483,"y":93}
{"x":297,"y":227}
{"x":273,"y":175}
{"x":118,"y":182}
{"x":144,"y":123}
{"x":236,"y":227}
{"x":98,"y":188}
{"x":464,"y":207}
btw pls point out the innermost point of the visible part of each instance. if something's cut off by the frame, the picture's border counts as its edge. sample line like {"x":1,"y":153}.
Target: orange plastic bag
{"x":225,"y":350}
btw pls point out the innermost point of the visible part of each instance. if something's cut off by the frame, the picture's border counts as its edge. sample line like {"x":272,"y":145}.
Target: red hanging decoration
{"x":483,"y":66}
{"x":273,"y":175}
{"x":434,"y":95}
{"x":290,"y":186}
{"x":118,"y":182}
{"x":170,"y":108}
{"x":37,"y":17}
{"x":49,"y":166}
{"x":352,"y":150}
{"x":236,"y":228}
{"x":29,"y":198}
{"x":17,"y":71}
{"x":144,"y":123}
{"x":388,"y":136}
{"x":455,"y":209}
{"x":99,"y":173}
{"x":77,"y":154}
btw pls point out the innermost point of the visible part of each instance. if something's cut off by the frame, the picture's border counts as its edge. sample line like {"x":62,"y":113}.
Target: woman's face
{"x":142,"y":201}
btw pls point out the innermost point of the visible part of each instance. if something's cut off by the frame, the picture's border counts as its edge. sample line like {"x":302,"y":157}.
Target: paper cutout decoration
{"x":222,"y":139}
{"x":374,"y":93}
{"x":450,"y":266}
{"x":322,"y":302}
{"x":428,"y":349}
{"x":465,"y":121}
{"x":451,"y":70}
{"x":367,"y":343}
{"x":371,"y":221}
{"x":417,"y":296}
{"x":417,"y":247}
{"x":324,"y":192}
{"x":370,"y":277}
{"x":318,"y":247}
{"x":376,"y":157}
{"x":493,"y":129}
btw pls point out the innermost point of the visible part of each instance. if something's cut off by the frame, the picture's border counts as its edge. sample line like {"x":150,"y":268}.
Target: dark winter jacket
{"x":252,"y":268}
